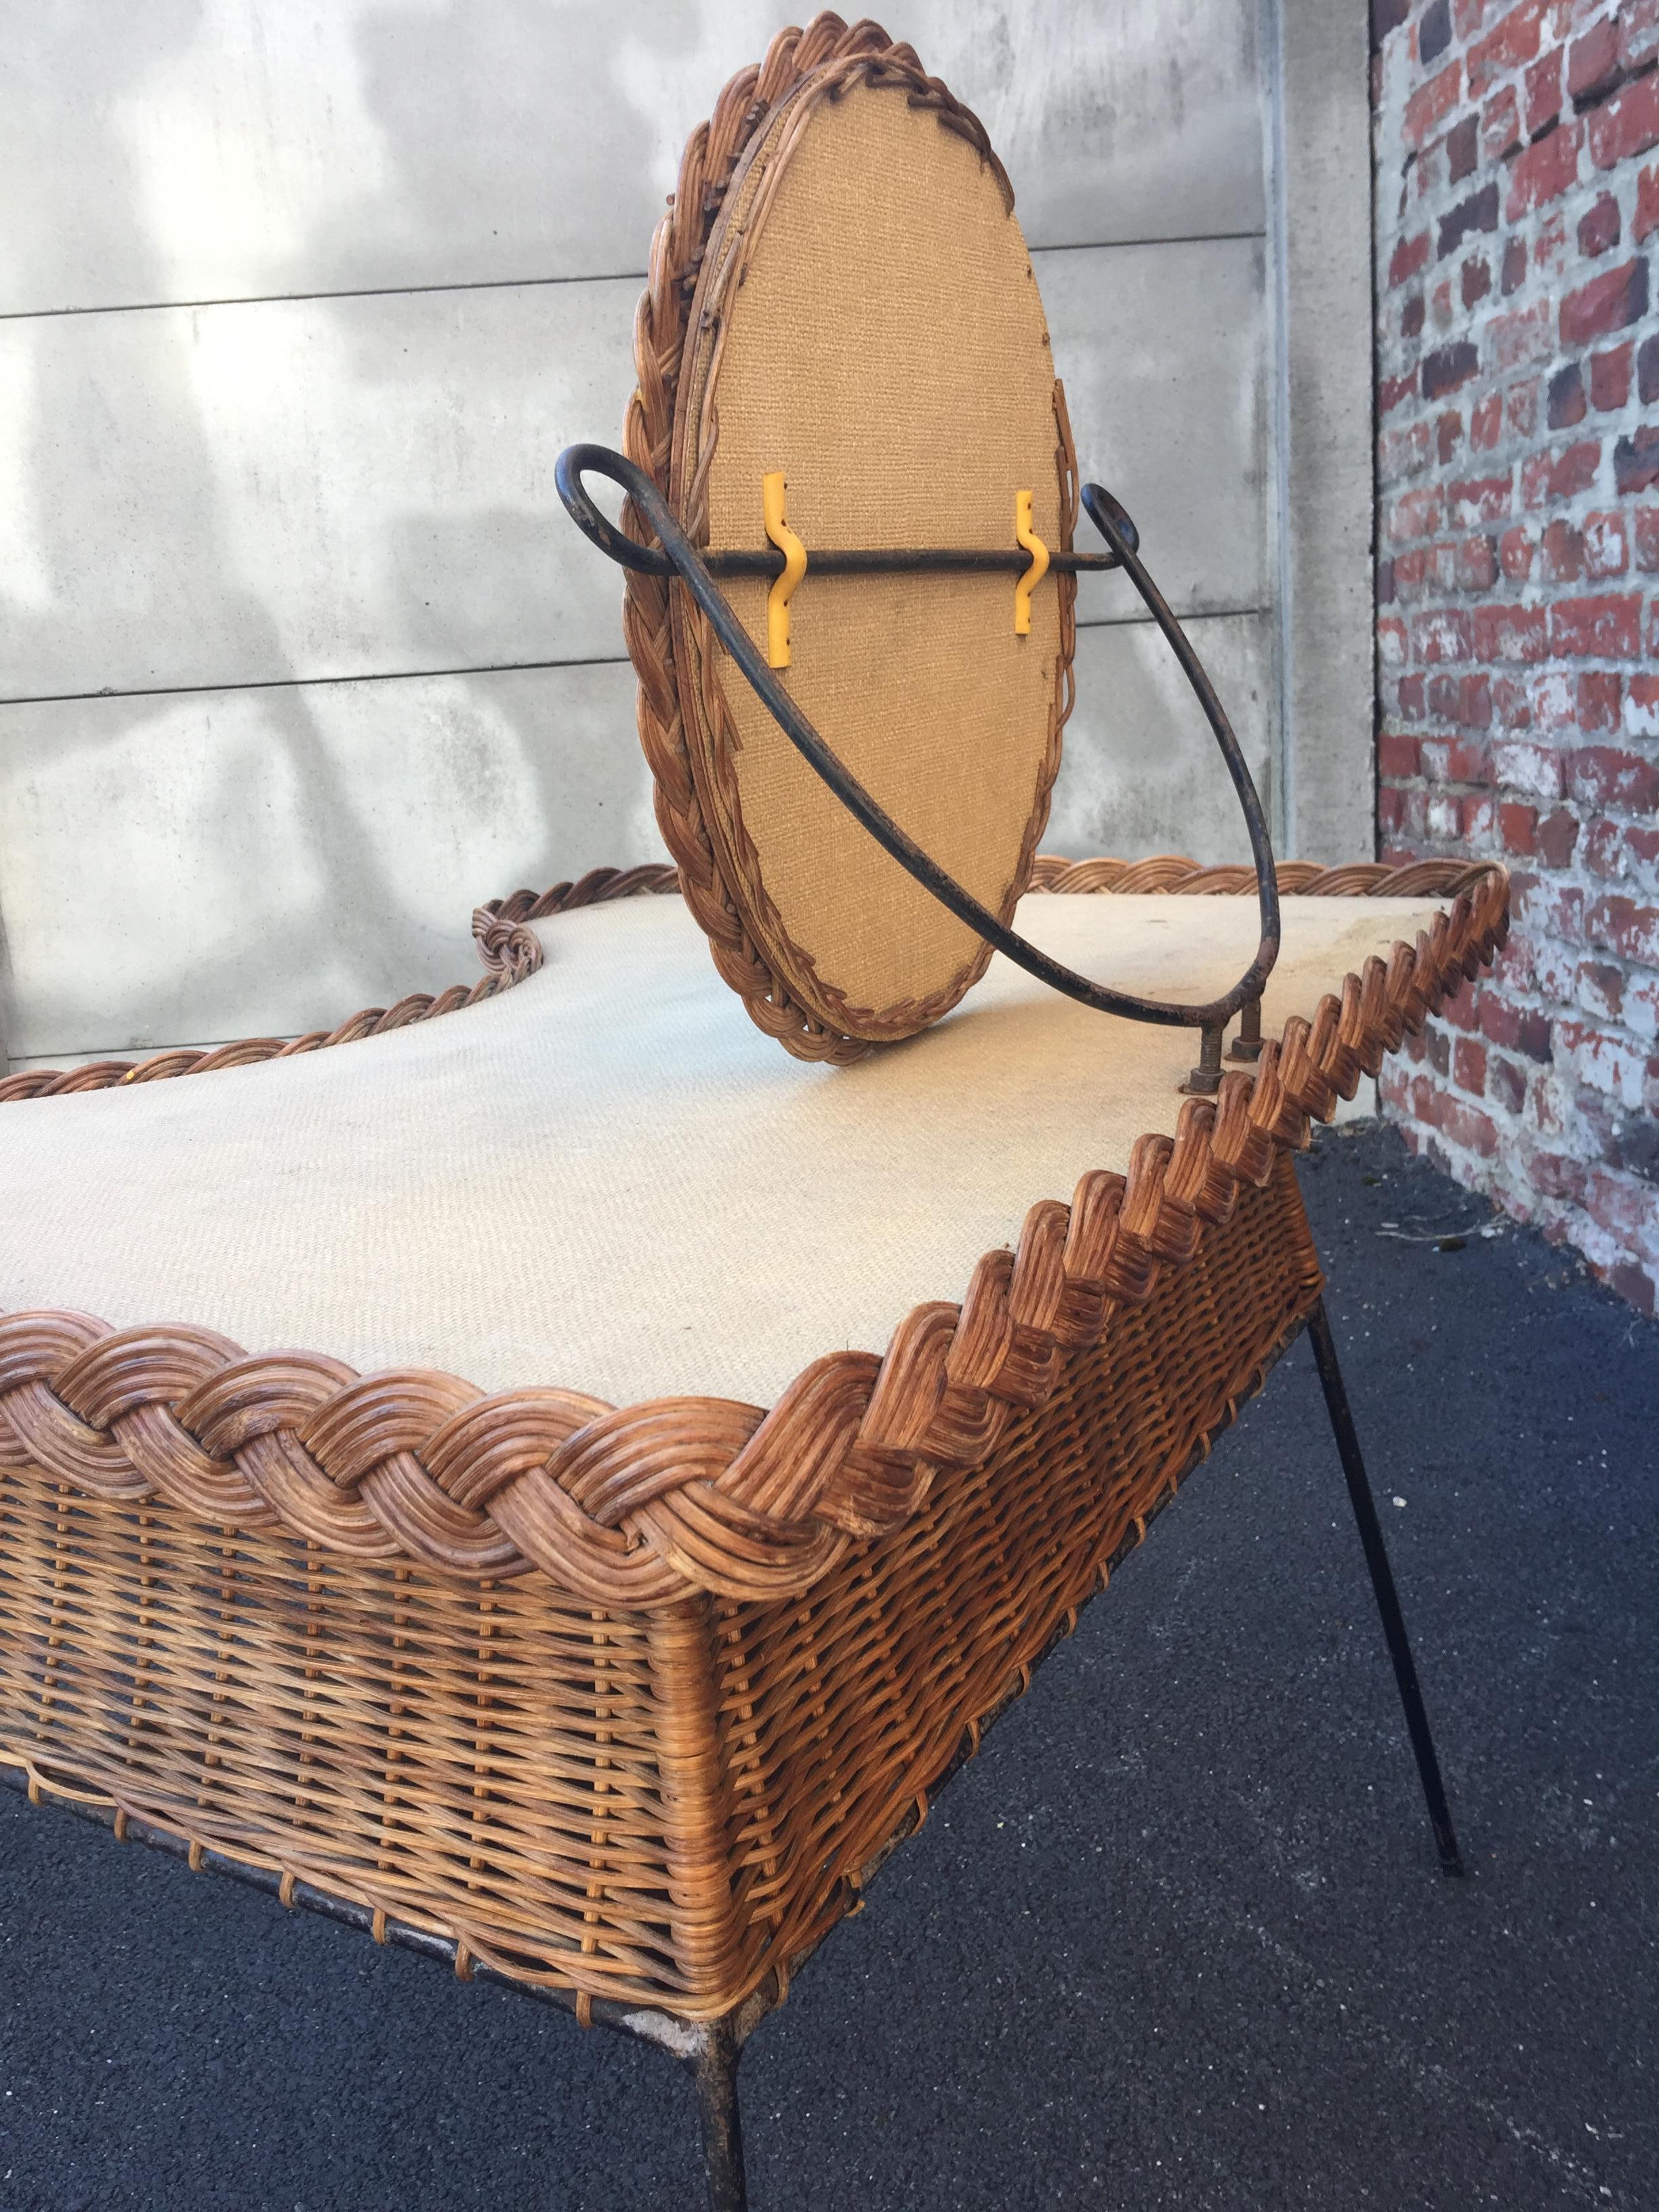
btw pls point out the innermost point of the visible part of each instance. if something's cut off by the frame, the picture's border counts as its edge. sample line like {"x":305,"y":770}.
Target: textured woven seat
{"x":606,"y":1179}
{"x":552,"y":1477}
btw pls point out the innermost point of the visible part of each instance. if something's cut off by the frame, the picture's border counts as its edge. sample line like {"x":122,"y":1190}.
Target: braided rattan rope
{"x":598,"y":885}
{"x":1171,"y":873}
{"x":639,"y":1506}
{"x":508,"y":950}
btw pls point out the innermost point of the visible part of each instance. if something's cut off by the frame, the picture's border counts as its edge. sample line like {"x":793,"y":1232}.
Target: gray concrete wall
{"x":1318,"y":113}
{"x":301,"y":657}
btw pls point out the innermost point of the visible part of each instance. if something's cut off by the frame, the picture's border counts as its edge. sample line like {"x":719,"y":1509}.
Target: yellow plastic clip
{"x":1039,"y":569}
{"x":795,"y":568}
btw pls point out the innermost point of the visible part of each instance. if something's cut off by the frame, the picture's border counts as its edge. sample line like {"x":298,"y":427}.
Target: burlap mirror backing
{"x":866,"y":318}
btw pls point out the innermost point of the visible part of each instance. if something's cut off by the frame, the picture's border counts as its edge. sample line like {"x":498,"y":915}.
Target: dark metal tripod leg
{"x":1387,"y":1600}
{"x":714,"y":2070}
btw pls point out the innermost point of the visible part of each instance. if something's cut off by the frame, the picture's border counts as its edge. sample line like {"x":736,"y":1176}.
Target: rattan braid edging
{"x":508,"y":950}
{"x":640,"y":1506}
{"x":45,"y":1778}
{"x":1166,"y":872}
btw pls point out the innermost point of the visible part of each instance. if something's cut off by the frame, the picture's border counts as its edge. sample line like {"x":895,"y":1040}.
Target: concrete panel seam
{"x":482,"y":668}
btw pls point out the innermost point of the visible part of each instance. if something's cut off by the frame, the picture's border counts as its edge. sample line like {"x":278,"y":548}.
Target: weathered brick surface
{"x":1518,"y":584}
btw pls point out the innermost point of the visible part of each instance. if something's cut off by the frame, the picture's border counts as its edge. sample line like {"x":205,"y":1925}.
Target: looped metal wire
{"x":650,"y":502}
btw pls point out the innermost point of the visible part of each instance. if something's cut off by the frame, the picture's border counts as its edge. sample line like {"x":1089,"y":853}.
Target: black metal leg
{"x":1387,"y":1599}
{"x":714,"y":2069}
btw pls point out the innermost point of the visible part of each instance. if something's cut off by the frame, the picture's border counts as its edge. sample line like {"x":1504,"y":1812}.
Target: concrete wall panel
{"x":1141,"y":773}
{"x":213,"y":149}
{"x":1163,"y":352}
{"x":328,"y":486}
{"x":305,"y":489}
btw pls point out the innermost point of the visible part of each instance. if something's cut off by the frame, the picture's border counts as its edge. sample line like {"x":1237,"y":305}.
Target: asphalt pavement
{"x":1177,"y":1938}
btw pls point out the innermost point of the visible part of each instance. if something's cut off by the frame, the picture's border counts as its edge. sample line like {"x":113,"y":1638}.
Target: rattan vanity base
{"x":695,"y":1796}
{"x":653,"y":1816}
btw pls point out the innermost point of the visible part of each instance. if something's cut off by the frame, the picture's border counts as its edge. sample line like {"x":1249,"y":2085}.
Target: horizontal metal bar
{"x":767,"y":561}
{"x":901,"y":559}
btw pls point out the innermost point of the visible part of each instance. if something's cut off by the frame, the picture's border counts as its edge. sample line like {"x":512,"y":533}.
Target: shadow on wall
{"x":278,"y":850}
{"x":313,"y":877}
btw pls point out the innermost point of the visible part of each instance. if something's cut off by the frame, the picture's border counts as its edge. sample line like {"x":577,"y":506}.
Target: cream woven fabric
{"x":608,"y":1179}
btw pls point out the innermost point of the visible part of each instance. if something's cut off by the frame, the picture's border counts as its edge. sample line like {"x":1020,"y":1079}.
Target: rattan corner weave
{"x":587,"y":1669}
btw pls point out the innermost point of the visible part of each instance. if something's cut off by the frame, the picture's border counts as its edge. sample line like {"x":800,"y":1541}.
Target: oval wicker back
{"x":866,"y":320}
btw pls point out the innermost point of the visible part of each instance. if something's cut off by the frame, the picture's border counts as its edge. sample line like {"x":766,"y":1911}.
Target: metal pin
{"x":1205,"y":1080}
{"x":1246,"y":1045}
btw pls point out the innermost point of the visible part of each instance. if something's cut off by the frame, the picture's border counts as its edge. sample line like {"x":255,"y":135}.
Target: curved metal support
{"x":1115,"y":528}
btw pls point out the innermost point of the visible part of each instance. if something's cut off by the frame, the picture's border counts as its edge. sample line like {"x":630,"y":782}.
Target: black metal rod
{"x":1387,"y":1598}
{"x":713,"y":2069}
{"x":767,"y":561}
{"x":1109,"y":519}
{"x":897,"y":560}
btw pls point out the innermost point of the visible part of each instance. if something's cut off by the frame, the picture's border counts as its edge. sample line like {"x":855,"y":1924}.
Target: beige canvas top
{"x":606,"y":1179}
{"x":867,"y":322}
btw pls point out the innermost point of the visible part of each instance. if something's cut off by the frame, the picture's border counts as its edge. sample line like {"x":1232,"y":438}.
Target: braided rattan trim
{"x":511,"y":952}
{"x":667,"y":670}
{"x":639,"y":1506}
{"x":1171,"y":871}
{"x":508,"y":950}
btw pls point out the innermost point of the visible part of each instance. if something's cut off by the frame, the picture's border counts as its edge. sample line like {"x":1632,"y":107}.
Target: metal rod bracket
{"x":675,"y":553}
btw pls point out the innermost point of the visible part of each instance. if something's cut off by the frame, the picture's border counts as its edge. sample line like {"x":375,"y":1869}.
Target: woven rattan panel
{"x":867,"y":321}
{"x":468,"y":1758}
{"x":665,"y":1808}
{"x":837,"y":1711}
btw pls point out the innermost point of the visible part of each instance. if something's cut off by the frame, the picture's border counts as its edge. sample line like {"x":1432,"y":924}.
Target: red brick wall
{"x":1517,"y":367}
